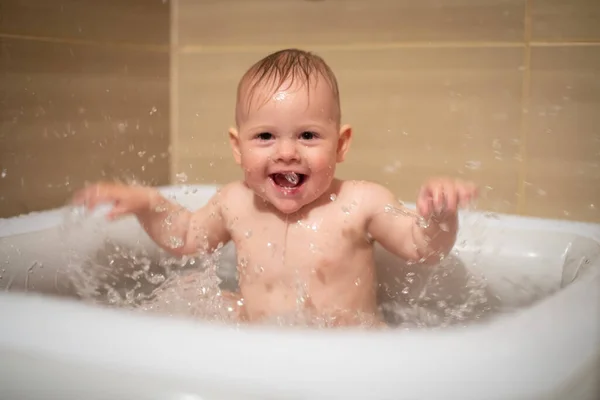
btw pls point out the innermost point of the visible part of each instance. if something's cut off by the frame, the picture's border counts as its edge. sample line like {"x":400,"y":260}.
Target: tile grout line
{"x":525,"y":109}
{"x":56,"y":40}
{"x":220,"y":49}
{"x":174,"y":94}
{"x":191,"y":49}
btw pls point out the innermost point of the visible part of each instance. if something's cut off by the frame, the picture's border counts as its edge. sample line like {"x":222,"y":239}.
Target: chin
{"x":287,"y":207}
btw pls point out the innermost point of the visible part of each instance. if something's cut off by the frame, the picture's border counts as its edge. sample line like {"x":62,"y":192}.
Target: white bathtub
{"x":58,"y":347}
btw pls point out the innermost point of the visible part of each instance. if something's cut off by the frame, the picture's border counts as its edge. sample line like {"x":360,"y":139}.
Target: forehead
{"x":314,"y":98}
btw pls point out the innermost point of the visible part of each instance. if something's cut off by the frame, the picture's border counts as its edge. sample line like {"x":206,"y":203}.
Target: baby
{"x":313,"y":235}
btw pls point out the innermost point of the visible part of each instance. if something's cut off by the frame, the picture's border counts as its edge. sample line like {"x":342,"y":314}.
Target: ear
{"x":345,"y":137}
{"x":234,"y":140}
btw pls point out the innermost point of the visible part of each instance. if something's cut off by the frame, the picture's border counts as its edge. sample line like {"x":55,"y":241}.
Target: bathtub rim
{"x":40,"y":220}
{"x":491,"y":347}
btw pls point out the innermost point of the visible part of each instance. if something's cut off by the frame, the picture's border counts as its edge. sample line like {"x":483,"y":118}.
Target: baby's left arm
{"x":425,"y":234}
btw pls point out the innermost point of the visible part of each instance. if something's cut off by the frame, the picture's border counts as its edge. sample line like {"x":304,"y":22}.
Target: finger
{"x":438,"y":199}
{"x":450,"y":199}
{"x":78,"y":198}
{"x":473,"y":190}
{"x":94,"y":196}
{"x":117,"y":212}
{"x":467,"y":193}
{"x":85,"y":199}
{"x":424,"y":202}
{"x":424,"y":208}
{"x":464,"y":196}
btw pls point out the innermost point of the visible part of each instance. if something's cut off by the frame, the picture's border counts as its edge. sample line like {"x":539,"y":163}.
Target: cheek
{"x":254,"y":169}
{"x":322,"y":160}
{"x":253,"y":159}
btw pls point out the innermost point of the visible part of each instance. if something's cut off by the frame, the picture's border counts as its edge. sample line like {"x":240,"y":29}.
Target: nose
{"x":287,"y":151}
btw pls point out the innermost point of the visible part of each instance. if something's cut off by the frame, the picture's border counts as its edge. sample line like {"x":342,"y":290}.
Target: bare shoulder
{"x":233,"y":196}
{"x":366,"y":193}
{"x":370,"y":197}
{"x":232,"y":189}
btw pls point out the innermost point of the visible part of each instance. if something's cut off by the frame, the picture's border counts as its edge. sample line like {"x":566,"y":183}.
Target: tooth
{"x":292,"y":177}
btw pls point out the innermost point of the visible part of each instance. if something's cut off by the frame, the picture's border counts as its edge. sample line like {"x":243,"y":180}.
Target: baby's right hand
{"x":125,"y":199}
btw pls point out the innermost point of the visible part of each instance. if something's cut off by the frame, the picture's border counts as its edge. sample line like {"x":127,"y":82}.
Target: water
{"x":420,"y":220}
{"x":150,"y":281}
{"x":292,"y":178}
{"x":132,"y":278}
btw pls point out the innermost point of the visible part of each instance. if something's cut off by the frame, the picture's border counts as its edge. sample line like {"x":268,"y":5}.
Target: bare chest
{"x":318,"y":250}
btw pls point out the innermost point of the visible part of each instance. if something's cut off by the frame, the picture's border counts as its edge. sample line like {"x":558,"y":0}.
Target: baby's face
{"x":295,"y":132}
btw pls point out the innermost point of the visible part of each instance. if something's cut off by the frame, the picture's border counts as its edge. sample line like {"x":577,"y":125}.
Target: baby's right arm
{"x":171,"y":226}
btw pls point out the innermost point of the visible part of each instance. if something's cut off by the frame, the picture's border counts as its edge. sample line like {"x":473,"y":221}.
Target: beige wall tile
{"x":563,"y":145}
{"x":560,"y":20}
{"x":132,"y":21}
{"x":303,"y":23}
{"x":416,"y":113}
{"x":76,"y":113}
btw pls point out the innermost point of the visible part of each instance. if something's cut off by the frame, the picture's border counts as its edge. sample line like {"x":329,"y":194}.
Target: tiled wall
{"x":504,"y":92}
{"x":84,"y":95}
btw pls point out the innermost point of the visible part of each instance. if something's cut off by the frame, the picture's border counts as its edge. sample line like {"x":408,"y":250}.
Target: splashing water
{"x":129,"y":275}
{"x":146,"y":279}
{"x":292,"y":178}
{"x":421,"y":221}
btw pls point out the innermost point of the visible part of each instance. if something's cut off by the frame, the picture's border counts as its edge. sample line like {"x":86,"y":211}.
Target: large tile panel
{"x":132,"y":21}
{"x":318,"y":23}
{"x":561,"y":20}
{"x":563,"y":146}
{"x":416,"y":113}
{"x":75,"y":113}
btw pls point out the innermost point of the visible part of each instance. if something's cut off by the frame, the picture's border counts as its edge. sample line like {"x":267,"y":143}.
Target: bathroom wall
{"x":503,"y":92}
{"x":84,"y":95}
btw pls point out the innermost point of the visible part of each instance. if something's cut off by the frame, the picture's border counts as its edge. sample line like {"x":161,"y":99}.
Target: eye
{"x":264,"y":136}
{"x":308,"y":135}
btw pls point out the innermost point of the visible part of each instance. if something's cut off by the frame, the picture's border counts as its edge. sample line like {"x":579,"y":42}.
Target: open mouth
{"x":288,"y":180}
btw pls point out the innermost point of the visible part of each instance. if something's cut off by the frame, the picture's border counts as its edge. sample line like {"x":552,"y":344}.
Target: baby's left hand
{"x":441,"y":197}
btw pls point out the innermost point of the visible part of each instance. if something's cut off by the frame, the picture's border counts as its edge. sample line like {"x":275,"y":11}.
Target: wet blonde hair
{"x":288,"y":65}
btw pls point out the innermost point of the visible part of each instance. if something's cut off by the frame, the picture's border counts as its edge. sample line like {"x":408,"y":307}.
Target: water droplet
{"x":292,"y":178}
{"x":122,"y":127}
{"x":541,"y":192}
{"x":473,"y":165}
{"x":421,"y":222}
{"x":393,"y":167}
{"x":175,"y":242}
{"x":332,"y":197}
{"x":357,"y":282}
{"x":346,"y":210}
{"x":592,"y":207}
{"x":4,"y":172}
{"x":248,"y":234}
{"x":153,"y":110}
{"x":181,"y":177}
{"x":313,"y":247}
